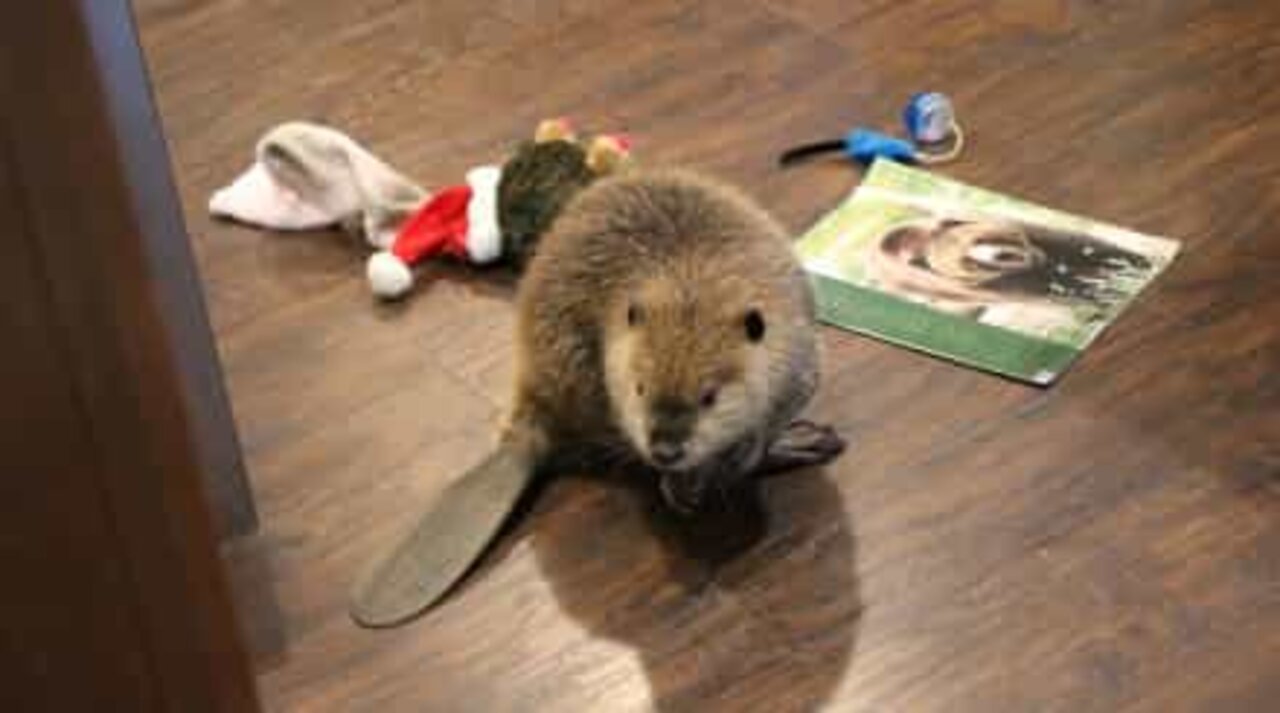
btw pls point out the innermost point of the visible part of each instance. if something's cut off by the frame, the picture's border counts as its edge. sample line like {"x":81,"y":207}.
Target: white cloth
{"x":308,"y":176}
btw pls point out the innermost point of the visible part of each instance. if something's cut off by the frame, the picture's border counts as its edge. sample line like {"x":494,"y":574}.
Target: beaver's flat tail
{"x":447,"y":540}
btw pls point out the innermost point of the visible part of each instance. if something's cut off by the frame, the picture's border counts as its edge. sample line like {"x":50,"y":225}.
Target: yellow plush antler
{"x":608,"y":153}
{"x":559,"y":129}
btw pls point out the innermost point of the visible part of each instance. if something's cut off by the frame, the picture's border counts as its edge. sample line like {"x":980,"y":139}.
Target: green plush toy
{"x":541,"y":177}
{"x":501,"y":212}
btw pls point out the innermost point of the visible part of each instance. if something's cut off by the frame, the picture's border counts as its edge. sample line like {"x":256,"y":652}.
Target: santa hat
{"x":461,"y":221}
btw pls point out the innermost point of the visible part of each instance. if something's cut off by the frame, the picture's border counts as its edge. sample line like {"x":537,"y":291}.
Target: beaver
{"x":664,"y":324}
{"x":668,"y":319}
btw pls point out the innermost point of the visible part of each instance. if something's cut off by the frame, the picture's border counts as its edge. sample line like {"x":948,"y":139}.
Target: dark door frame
{"x":118,"y":443}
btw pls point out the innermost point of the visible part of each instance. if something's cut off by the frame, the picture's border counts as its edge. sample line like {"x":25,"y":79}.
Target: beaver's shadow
{"x":752,"y":606}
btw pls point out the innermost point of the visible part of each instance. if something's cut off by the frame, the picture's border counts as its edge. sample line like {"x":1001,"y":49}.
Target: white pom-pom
{"x":388,"y":275}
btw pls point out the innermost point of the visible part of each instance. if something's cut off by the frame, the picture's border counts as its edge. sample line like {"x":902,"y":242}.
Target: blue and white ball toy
{"x":930,"y":118}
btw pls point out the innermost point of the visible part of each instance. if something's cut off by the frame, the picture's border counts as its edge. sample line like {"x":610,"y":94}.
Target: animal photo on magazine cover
{"x":1026,"y":277}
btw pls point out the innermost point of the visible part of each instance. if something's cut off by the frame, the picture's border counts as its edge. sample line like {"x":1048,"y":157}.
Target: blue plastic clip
{"x":865,"y":146}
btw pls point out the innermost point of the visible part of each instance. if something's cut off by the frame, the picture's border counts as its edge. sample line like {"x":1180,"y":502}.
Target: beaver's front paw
{"x":803,"y":443}
{"x":683,"y":491}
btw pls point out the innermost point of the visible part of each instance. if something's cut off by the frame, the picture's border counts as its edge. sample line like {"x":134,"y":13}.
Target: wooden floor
{"x":1112,"y":544}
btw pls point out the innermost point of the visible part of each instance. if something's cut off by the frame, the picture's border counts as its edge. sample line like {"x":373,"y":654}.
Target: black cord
{"x":799,"y":153}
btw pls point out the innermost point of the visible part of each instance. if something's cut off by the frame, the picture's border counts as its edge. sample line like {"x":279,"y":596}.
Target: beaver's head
{"x":687,"y":371}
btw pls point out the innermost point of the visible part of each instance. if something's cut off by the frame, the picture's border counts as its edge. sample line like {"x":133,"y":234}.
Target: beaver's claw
{"x":803,"y":443}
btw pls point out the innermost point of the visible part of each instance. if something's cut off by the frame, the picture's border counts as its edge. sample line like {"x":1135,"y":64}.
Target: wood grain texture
{"x":1111,"y":544}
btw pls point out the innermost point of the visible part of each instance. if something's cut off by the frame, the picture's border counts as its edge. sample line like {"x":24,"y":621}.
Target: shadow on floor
{"x":754,"y":606}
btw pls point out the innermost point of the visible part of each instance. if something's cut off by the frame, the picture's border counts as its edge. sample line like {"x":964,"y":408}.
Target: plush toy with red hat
{"x":308,"y":176}
{"x":501,"y":211}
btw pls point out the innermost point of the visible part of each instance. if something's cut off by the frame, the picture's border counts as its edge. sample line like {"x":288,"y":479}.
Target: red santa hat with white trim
{"x":460,"y":221}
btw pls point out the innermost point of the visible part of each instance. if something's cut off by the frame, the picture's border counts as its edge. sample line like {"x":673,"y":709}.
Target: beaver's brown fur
{"x":666,"y":318}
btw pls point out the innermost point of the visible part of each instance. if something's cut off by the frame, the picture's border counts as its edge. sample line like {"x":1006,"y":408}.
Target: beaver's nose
{"x":666,"y":453}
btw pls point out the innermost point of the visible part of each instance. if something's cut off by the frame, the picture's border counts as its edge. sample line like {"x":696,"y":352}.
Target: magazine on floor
{"x":974,"y":276}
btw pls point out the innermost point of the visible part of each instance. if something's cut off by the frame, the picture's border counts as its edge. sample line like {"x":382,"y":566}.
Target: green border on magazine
{"x":911,"y":325}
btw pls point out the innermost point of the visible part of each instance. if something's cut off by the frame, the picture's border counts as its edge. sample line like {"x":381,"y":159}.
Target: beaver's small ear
{"x":754,"y":325}
{"x":608,"y":153}
{"x":558,"y":129}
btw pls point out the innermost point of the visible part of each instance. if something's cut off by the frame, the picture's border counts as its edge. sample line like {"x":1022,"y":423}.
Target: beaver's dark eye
{"x":635,"y":315}
{"x":708,"y":397}
{"x":754,"y":323}
{"x":639,"y":389}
